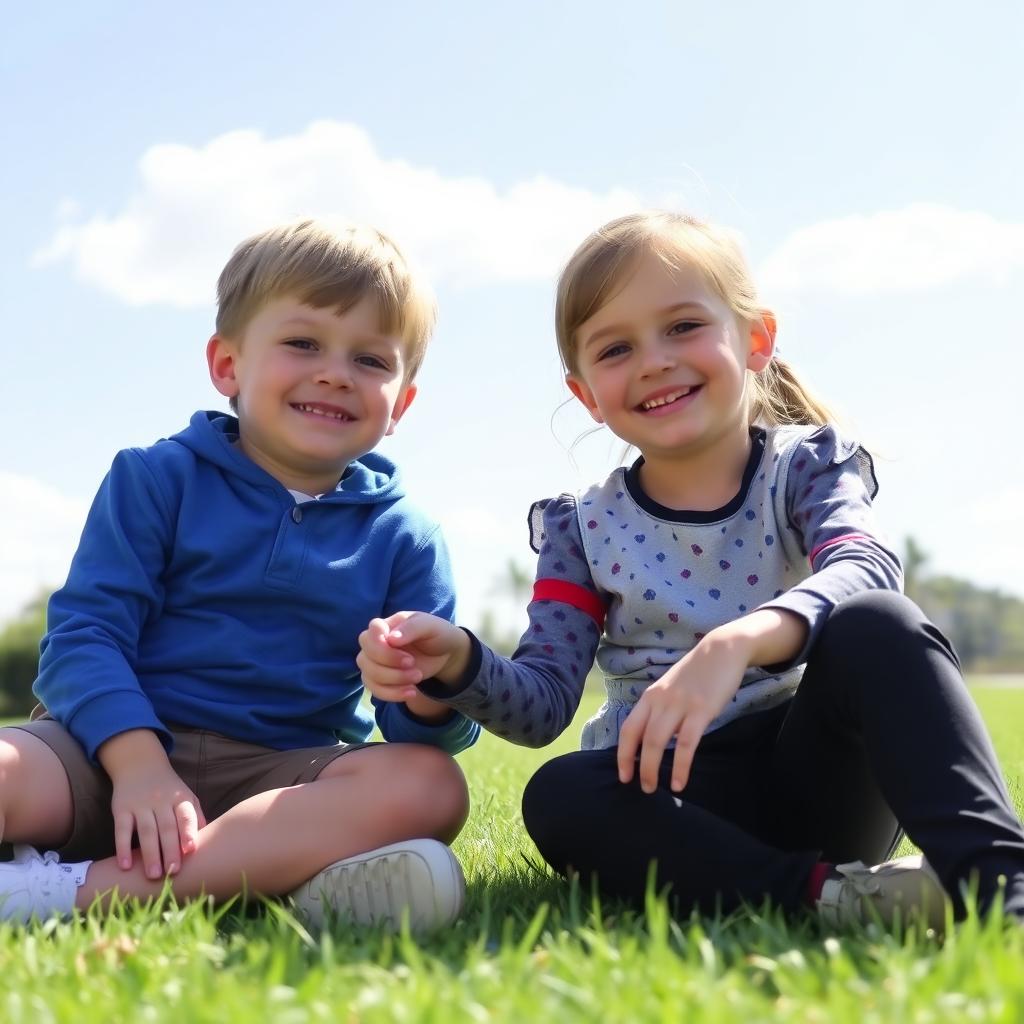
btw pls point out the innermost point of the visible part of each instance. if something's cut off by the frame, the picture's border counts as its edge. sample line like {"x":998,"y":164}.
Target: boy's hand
{"x":149,"y":801}
{"x":402,"y":650}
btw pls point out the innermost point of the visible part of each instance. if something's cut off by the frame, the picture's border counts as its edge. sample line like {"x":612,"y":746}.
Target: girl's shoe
{"x":420,"y":878}
{"x":904,"y":888}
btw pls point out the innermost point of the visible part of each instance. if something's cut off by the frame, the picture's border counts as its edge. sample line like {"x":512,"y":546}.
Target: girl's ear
{"x":585,"y":395}
{"x":221,"y":356}
{"x":762,"y":341}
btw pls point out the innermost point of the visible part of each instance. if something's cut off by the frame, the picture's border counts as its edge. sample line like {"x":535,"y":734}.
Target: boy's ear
{"x":585,"y":395}
{"x":220,"y":357}
{"x":762,"y":341}
{"x":403,"y":403}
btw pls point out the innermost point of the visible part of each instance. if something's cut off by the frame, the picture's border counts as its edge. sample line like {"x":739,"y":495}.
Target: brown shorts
{"x":221,"y":772}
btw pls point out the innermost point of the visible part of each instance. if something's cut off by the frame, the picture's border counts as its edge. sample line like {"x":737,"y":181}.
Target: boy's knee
{"x":427,"y":788}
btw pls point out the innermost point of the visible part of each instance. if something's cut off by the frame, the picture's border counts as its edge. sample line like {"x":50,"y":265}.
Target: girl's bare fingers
{"x":629,"y":740}
{"x":656,"y":737}
{"x":374,"y":645}
{"x":686,"y":746}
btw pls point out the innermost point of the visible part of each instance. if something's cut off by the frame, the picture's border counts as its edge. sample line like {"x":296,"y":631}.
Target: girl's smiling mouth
{"x":669,"y":399}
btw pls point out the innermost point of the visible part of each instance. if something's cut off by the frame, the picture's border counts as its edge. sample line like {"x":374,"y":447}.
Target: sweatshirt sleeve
{"x":829,"y":495}
{"x":423,"y":582}
{"x":531,"y":697}
{"x":88,"y":656}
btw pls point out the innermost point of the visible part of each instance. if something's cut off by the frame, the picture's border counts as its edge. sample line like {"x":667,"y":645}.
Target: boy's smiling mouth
{"x":331,"y":412}
{"x":668,"y":398}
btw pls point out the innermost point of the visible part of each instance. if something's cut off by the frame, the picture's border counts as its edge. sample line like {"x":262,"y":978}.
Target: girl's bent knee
{"x":563,"y":798}
{"x":873,"y":615}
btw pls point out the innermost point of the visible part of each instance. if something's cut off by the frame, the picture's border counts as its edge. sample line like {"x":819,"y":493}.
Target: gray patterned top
{"x":800,"y":535}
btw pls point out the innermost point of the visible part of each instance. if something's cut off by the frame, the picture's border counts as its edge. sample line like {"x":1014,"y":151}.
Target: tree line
{"x":985,"y":625}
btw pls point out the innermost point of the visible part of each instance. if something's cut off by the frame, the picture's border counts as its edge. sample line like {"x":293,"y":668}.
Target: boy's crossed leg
{"x":270,"y":842}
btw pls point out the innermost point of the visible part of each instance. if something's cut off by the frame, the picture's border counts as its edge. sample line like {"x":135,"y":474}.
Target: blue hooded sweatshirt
{"x":202,"y":595}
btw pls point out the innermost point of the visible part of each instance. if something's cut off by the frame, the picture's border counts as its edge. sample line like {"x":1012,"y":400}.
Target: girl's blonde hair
{"x":601,"y":266}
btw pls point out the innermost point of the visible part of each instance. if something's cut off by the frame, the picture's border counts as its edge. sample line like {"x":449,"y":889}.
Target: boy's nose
{"x":336,"y":374}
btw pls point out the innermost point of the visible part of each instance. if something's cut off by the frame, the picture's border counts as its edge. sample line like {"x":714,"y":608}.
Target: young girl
{"x":777,"y":711}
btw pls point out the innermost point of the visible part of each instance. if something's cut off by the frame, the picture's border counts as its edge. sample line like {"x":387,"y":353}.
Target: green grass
{"x":529,"y":948}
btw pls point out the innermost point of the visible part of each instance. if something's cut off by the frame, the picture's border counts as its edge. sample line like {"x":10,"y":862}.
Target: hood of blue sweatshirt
{"x":213,"y":436}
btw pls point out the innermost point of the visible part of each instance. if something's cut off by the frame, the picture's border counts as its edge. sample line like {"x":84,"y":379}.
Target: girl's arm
{"x":828,"y":501}
{"x":529,"y":698}
{"x":829,"y":496}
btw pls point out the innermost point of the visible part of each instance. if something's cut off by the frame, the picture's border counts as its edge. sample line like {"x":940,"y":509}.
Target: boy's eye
{"x":373,"y":361}
{"x":301,"y":343}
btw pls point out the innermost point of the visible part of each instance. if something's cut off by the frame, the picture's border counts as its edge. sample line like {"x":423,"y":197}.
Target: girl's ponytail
{"x":780,"y":398}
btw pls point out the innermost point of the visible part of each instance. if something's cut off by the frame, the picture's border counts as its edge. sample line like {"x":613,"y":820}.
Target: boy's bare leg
{"x":274,"y":841}
{"x":35,"y":796}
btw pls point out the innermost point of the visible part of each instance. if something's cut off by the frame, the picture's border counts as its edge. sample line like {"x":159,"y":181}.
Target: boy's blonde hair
{"x":605,"y":260}
{"x":322,"y":267}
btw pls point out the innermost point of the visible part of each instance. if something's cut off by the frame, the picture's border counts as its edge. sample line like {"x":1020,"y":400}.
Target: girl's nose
{"x":656,"y":359}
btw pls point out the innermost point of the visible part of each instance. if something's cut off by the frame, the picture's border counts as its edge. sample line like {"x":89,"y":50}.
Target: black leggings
{"x":881,"y":733}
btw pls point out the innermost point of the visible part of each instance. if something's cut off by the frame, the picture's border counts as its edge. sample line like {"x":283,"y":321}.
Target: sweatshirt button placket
{"x":296,"y":514}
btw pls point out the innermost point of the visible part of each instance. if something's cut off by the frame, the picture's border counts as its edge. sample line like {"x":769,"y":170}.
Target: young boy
{"x":199,"y":670}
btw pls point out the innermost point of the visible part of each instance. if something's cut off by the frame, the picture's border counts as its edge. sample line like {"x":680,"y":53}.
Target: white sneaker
{"x":35,"y":885}
{"x":905,"y":887}
{"x":421,"y":877}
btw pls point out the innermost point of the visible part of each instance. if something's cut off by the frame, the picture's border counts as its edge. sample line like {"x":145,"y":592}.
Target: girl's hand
{"x":680,"y":704}
{"x":402,"y":650}
{"x":694,"y":690}
{"x":150,"y":801}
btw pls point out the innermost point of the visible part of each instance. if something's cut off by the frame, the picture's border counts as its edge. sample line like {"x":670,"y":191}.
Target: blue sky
{"x":870,"y":159}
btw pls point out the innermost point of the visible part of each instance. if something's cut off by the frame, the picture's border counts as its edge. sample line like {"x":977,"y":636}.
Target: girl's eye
{"x":684,"y":327}
{"x":613,"y":350}
{"x":301,"y":343}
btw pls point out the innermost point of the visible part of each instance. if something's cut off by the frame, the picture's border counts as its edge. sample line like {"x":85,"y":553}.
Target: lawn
{"x":529,"y":948}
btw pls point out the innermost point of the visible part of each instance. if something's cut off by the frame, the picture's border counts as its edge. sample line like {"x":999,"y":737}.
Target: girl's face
{"x":664,"y":362}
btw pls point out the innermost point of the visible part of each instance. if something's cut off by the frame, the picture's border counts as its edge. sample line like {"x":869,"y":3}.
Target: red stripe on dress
{"x":836,"y":540}
{"x":572,"y":594}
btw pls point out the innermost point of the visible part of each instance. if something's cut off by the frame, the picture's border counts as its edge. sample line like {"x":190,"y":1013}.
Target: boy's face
{"x":315,"y":388}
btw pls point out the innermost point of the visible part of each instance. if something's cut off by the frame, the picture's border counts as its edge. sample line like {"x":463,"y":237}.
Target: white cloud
{"x":39,"y":531}
{"x":922,"y":246}
{"x":168,"y":241}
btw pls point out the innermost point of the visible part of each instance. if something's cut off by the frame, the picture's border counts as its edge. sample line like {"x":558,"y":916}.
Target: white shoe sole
{"x":420,"y":878}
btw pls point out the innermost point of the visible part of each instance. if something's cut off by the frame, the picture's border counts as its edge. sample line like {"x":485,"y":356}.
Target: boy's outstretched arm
{"x":397,"y":653}
{"x":529,"y":698}
{"x":421,"y":578}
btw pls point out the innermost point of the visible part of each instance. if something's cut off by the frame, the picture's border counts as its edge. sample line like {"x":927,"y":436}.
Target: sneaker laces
{"x":858,"y":875}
